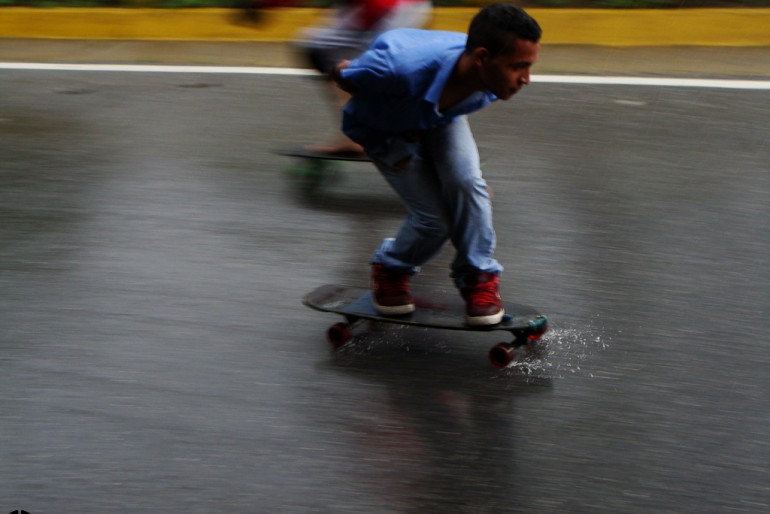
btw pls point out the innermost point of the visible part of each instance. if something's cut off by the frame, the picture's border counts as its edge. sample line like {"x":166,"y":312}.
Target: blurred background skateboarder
{"x":346,"y":33}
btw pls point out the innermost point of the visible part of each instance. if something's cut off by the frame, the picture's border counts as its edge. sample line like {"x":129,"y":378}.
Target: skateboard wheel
{"x":501,"y":355}
{"x":339,"y":334}
{"x":307,"y":177}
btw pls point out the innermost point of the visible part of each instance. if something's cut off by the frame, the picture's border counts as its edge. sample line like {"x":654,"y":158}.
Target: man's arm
{"x":371,"y":72}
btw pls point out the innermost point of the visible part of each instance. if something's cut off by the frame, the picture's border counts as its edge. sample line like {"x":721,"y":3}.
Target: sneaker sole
{"x":394,"y":310}
{"x":479,"y":321}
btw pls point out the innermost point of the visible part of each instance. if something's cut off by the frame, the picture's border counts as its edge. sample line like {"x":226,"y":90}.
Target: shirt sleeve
{"x":371,"y":72}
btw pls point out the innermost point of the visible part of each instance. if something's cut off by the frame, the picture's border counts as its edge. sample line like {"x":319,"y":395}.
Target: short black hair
{"x":497,"y":26}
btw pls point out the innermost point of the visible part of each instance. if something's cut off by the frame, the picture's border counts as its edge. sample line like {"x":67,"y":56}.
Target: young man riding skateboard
{"x":411,"y":93}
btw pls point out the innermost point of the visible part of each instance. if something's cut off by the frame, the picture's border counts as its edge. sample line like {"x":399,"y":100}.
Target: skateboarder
{"x":351,"y":26}
{"x":411,"y":93}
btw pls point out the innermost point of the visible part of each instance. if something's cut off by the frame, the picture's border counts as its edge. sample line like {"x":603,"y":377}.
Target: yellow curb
{"x":608,"y":27}
{"x":655,"y":27}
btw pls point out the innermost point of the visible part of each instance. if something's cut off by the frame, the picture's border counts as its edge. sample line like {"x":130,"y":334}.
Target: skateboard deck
{"x":304,"y":153}
{"x":442,"y":310}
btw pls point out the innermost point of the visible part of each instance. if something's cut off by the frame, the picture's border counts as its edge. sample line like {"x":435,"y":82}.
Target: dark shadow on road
{"x":447,"y":427}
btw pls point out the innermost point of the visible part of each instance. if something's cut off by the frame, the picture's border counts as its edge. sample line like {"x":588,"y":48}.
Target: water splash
{"x":566,"y":349}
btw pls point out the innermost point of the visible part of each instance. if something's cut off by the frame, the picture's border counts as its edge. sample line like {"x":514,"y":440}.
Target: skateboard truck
{"x":502,"y":354}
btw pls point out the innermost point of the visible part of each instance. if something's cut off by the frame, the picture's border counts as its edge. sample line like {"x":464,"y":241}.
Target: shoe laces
{"x":484,"y":291}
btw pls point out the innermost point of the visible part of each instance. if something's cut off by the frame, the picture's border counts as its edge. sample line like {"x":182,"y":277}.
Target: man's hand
{"x":337,"y":77}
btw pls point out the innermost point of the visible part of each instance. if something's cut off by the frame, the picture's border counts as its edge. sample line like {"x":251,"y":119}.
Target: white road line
{"x":262,"y":70}
{"x":150,"y":68}
{"x":656,"y":81}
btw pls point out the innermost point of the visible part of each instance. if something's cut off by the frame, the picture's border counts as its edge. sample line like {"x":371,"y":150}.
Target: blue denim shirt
{"x":397,"y":85}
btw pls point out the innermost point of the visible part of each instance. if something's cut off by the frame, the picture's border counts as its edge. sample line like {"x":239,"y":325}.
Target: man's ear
{"x":480,"y":55}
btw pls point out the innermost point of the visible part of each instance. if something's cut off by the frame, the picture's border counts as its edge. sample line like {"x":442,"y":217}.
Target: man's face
{"x":507,"y":73}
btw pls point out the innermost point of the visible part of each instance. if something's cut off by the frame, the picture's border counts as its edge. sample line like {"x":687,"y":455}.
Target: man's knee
{"x":466,"y":184}
{"x":433,"y":227}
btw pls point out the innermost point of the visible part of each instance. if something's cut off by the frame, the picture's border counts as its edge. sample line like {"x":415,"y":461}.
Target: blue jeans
{"x":446,"y":199}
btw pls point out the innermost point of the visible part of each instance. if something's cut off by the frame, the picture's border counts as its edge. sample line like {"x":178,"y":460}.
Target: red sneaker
{"x":391,"y":291}
{"x":483,"y":303}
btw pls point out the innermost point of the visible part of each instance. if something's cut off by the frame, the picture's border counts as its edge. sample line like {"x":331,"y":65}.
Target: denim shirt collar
{"x":470,"y":104}
{"x":433,"y":94}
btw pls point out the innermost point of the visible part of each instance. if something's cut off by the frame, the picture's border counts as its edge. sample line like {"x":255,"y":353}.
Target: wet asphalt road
{"x":155,"y":355}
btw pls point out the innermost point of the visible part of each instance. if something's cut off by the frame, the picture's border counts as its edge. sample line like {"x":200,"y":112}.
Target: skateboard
{"x":435,"y":310}
{"x":315,"y":168}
